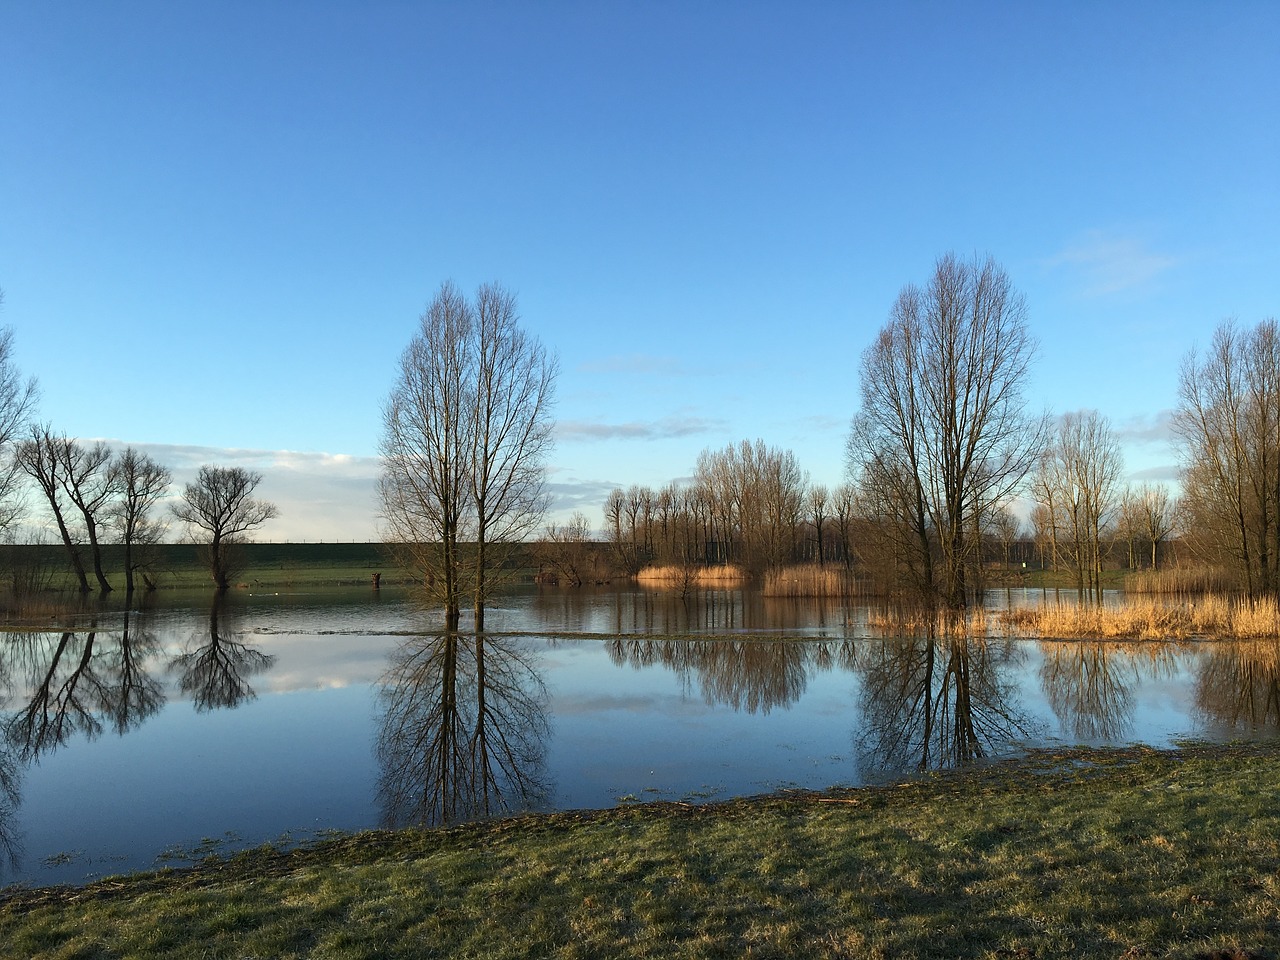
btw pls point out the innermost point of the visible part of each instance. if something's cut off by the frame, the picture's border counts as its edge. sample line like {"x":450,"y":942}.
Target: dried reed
{"x":675,"y":574}
{"x":1180,"y":581}
{"x":807,"y":580}
{"x":1211,"y":616}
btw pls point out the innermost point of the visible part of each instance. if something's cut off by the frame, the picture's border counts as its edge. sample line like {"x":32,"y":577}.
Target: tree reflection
{"x":1089,"y":687}
{"x":138,"y":694}
{"x":215,"y":672}
{"x":751,"y":675}
{"x":1090,"y":684}
{"x":464,"y":730}
{"x":69,"y":693}
{"x":931,"y":703}
{"x":10,"y":773}
{"x":78,"y":682}
{"x":1238,"y":685}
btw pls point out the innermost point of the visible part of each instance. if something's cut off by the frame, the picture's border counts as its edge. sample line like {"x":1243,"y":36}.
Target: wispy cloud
{"x":664,"y":429}
{"x":1155,"y":428}
{"x":643,"y":364}
{"x":1110,"y":263}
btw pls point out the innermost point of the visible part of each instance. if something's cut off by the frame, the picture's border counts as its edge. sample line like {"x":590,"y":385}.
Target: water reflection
{"x":1091,"y":685}
{"x":751,"y":675}
{"x":656,"y":611}
{"x":463,"y":732}
{"x":1238,"y":686}
{"x":932,"y":703}
{"x":70,"y":693}
{"x":216,"y":666}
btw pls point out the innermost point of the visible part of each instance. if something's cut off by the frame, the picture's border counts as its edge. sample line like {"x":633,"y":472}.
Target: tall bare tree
{"x":220,"y":511}
{"x":466,"y":431}
{"x":943,"y":431}
{"x":142,"y":482}
{"x":1228,"y":427}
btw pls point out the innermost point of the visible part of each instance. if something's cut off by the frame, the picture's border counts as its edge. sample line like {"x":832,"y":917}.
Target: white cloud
{"x":665,"y":429}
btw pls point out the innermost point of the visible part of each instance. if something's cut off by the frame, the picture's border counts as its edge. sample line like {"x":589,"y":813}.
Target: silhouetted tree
{"x":219,"y":510}
{"x":142,"y":482}
{"x":41,"y":458}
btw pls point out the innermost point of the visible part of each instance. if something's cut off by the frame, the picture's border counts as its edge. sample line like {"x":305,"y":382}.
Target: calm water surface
{"x":154,"y":736}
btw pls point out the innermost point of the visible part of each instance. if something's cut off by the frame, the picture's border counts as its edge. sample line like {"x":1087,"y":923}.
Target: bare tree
{"x":220,"y":510}
{"x":89,"y":481}
{"x":1228,"y":426}
{"x":40,"y":456}
{"x":943,"y":431}
{"x":466,"y":431}
{"x":757,"y":501}
{"x":566,"y":549}
{"x":142,"y":482}
{"x":1156,"y":511}
{"x":1079,"y":479}
{"x":17,"y":404}
{"x":1007,"y":529}
{"x":844,"y":502}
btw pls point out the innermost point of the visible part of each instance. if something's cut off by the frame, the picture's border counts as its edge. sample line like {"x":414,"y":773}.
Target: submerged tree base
{"x":1074,"y":853}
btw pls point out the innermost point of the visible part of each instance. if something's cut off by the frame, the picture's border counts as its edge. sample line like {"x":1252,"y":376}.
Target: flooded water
{"x":153,"y":737}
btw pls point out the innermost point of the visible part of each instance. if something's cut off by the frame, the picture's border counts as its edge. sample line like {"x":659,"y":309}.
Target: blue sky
{"x":219,"y":223}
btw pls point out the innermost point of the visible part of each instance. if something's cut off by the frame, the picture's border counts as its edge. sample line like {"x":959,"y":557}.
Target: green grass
{"x":1131,"y":853}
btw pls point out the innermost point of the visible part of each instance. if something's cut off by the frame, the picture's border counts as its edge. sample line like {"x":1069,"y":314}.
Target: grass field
{"x":178,"y":565}
{"x":1081,"y":854}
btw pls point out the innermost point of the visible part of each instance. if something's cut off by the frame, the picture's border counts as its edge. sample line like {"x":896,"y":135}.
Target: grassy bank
{"x":1133,"y":853}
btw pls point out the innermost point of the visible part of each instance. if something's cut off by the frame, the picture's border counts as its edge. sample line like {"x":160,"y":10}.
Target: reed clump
{"x":909,"y":621}
{"x":1180,"y":582}
{"x":807,"y":580}
{"x":1212,"y":617}
{"x":678,"y":574}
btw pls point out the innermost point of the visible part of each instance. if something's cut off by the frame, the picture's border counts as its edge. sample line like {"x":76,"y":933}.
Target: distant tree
{"x":1157,"y":512}
{"x":844,"y":508}
{"x":943,"y":432}
{"x":817,"y":500}
{"x":1081,"y":476}
{"x":141,"y":482}
{"x":756,"y":493}
{"x":466,"y":431}
{"x":1007,"y":529}
{"x":565,"y":549}
{"x":219,"y":510}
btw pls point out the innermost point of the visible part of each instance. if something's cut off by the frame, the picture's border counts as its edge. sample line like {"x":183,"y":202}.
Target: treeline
{"x":93,"y":495}
{"x":948,"y":473}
